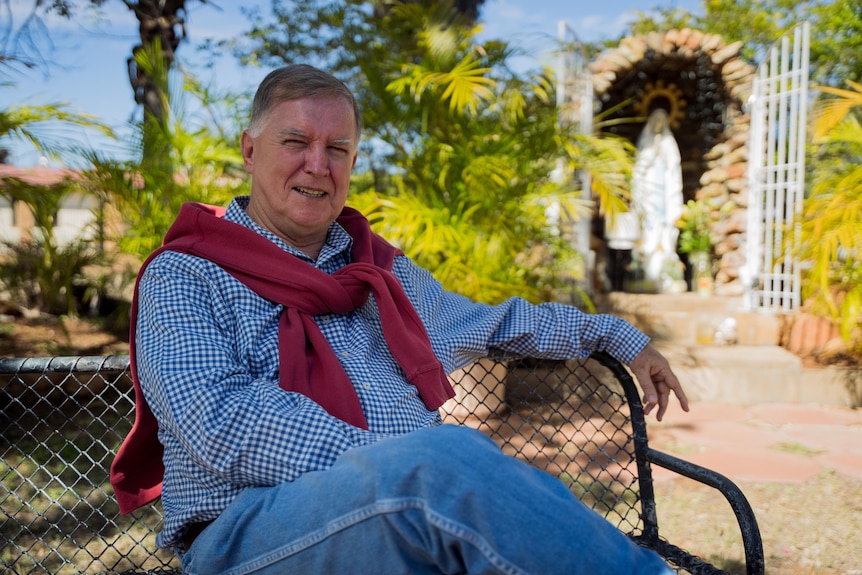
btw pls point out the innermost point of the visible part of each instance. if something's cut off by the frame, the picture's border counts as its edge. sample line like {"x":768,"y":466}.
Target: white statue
{"x":657,"y":198}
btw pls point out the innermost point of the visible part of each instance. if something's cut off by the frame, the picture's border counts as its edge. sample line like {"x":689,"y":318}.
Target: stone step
{"x":749,"y":368}
{"x":692,"y":318}
{"x":752,"y":374}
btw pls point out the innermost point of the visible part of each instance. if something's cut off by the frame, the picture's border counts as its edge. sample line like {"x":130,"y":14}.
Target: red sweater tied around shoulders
{"x":304,"y":291}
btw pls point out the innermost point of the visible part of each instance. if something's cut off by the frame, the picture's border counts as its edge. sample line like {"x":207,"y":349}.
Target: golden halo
{"x":671,"y":93}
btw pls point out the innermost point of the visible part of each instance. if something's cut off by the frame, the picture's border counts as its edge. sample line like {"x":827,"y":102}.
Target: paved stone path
{"x":765,"y":442}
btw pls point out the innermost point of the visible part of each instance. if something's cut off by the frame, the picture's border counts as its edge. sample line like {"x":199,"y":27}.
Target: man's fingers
{"x":674,"y":385}
{"x":663,"y":400}
{"x":657,"y":381}
{"x":650,"y":394}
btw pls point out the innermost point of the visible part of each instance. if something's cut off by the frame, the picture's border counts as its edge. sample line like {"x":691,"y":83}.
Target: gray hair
{"x":293,"y":83}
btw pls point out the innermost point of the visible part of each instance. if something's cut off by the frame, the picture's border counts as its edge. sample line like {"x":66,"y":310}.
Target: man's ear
{"x":247,"y":148}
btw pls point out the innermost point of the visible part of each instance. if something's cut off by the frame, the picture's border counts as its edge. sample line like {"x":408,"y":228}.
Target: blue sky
{"x":87,"y":66}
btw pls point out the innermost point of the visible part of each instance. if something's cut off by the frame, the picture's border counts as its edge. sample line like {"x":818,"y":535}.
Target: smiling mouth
{"x":309,"y":192}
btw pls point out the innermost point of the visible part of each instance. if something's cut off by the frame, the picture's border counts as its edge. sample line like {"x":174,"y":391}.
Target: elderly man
{"x":289,"y":365}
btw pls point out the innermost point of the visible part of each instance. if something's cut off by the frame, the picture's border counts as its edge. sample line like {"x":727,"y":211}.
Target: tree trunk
{"x":163,"y":20}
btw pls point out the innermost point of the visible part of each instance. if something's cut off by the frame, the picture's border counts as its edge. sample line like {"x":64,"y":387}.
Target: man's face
{"x":300,"y":164}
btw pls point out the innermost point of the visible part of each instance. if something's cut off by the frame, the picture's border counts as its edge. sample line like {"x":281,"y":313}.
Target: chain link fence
{"x":63,"y":421}
{"x":65,"y":417}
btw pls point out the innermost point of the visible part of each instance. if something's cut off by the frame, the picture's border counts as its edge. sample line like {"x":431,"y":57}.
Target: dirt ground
{"x":807,"y":529}
{"x":46,"y":336}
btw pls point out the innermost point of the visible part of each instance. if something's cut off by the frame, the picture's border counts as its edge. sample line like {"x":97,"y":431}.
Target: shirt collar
{"x":338,"y":241}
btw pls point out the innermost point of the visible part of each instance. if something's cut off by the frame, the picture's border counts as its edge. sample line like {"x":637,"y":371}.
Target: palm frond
{"x":465,"y":86}
{"x":831,"y":111}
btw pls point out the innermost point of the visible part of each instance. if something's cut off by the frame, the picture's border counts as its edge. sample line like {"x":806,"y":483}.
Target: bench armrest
{"x":751,"y":540}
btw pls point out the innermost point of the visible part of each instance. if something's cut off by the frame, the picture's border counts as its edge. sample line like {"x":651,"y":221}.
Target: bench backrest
{"x":65,"y":417}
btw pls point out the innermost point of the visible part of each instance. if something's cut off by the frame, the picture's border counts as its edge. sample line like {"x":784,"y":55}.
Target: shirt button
{"x":366,"y":385}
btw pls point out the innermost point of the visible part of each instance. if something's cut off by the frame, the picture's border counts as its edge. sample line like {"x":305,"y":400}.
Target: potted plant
{"x":696,"y":242}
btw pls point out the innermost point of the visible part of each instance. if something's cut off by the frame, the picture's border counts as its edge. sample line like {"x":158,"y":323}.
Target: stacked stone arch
{"x":704,"y":85}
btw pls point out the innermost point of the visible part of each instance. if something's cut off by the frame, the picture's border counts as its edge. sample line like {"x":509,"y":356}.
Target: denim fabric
{"x":438,"y":500}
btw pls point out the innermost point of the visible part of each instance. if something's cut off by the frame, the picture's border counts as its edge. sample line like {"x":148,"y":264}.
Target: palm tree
{"x":42,"y":271}
{"x":175,"y":160}
{"x":31,"y":124}
{"x":162,"y":27}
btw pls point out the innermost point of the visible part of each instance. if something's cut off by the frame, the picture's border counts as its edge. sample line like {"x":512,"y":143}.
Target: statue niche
{"x":694,"y":87}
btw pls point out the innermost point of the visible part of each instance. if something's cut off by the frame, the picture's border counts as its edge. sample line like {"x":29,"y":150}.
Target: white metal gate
{"x":777,"y":173}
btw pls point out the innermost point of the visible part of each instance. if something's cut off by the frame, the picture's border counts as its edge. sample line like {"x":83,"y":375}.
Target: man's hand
{"x":657,"y":380}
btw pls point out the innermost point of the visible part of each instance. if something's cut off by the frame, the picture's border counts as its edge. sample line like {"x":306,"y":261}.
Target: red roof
{"x":36,"y":175}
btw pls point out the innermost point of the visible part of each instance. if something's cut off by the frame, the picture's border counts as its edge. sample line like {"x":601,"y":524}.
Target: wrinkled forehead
{"x":326,"y":118}
{"x":326,"y":108}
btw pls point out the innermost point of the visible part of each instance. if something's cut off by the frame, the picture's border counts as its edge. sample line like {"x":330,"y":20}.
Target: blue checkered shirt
{"x":207,"y":358}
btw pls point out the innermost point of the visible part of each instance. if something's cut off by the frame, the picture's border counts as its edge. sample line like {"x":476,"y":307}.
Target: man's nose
{"x":317,"y":161}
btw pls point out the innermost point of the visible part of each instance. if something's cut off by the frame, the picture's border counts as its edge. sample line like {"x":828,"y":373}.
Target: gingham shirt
{"x":207,"y":353}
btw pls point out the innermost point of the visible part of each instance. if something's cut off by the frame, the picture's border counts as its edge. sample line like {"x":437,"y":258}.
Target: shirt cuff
{"x":625,"y":341}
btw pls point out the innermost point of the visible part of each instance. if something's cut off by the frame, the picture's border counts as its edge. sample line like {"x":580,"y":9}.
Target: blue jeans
{"x":438,"y":500}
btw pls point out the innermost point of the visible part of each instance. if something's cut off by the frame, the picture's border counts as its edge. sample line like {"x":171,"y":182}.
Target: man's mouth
{"x":309,"y":192}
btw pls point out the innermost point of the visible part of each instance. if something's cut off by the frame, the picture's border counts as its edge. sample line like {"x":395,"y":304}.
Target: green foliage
{"x":33,"y":124}
{"x":694,"y":225}
{"x":832,"y":214}
{"x":42,"y":273}
{"x":48,"y":277}
{"x":178,"y":159}
{"x":836,"y":42}
{"x":459,"y":149}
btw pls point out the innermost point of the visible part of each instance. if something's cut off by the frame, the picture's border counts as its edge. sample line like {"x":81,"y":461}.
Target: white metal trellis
{"x":777,"y":173}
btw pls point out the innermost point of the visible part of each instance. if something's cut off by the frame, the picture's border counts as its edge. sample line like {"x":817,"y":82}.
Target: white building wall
{"x":9,"y":232}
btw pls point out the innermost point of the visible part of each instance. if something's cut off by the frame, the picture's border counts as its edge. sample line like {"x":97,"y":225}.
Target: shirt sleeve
{"x":211,"y":387}
{"x":462,"y":330}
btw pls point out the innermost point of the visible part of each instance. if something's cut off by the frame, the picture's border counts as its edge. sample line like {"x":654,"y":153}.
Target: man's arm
{"x":462,"y":330}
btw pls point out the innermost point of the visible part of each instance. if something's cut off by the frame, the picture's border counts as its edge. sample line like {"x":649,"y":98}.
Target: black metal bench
{"x":64,"y":418}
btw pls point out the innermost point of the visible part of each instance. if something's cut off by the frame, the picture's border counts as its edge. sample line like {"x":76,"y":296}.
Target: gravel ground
{"x":810,"y":528}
